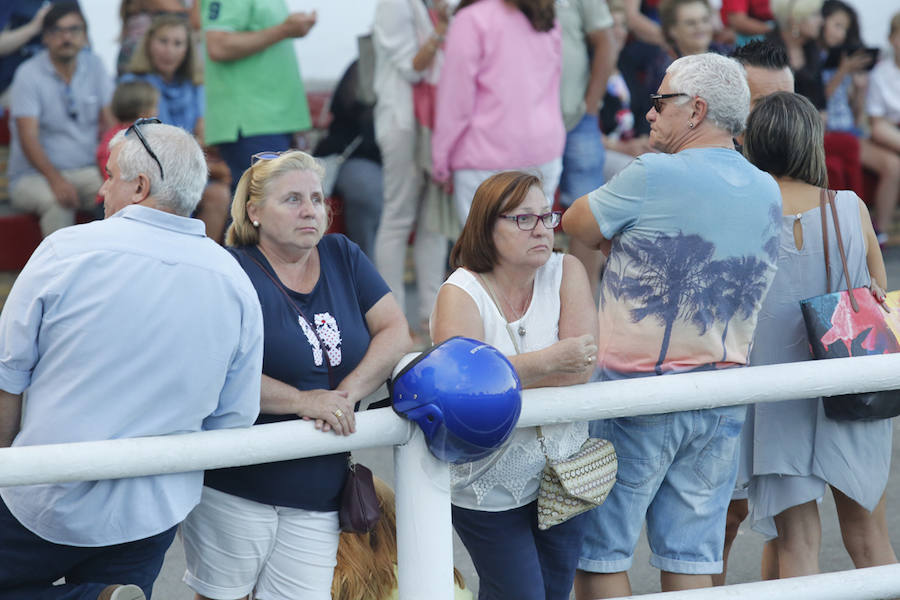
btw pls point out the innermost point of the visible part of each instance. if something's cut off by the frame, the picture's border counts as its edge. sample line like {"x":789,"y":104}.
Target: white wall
{"x":875,"y":19}
{"x":331,"y":45}
{"x":324,"y":53}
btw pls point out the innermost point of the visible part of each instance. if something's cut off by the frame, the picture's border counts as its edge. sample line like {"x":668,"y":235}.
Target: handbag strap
{"x":309,"y":323}
{"x":350,"y":149}
{"x":490,"y":290}
{"x":493,"y":296}
{"x":827,"y":197}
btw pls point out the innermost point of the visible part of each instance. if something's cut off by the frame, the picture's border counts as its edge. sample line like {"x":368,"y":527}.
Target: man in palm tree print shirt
{"x":691,"y":235}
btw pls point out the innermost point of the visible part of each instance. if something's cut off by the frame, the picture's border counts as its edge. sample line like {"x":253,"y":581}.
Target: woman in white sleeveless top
{"x":512,"y":291}
{"x":790,"y":450}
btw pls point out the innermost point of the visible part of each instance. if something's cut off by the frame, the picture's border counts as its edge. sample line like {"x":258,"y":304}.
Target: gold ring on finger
{"x":338,"y":413}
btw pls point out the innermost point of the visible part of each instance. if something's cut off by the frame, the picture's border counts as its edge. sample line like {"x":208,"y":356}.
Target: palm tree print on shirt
{"x":676,"y":278}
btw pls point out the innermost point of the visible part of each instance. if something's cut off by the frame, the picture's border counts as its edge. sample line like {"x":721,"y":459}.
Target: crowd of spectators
{"x":454,"y":120}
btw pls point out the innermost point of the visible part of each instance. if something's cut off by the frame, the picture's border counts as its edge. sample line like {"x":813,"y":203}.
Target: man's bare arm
{"x":602,"y":66}
{"x":225,"y":46}
{"x":10,"y":417}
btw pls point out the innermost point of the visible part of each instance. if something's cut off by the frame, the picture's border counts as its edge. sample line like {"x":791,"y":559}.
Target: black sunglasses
{"x":135,"y":127}
{"x":656,"y":99}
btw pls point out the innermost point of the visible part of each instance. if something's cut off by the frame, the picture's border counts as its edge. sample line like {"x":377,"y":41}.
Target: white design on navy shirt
{"x":330,"y":335}
{"x":311,"y":338}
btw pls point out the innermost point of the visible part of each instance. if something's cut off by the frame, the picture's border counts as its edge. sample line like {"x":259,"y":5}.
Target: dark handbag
{"x":849,"y":323}
{"x":360,"y":510}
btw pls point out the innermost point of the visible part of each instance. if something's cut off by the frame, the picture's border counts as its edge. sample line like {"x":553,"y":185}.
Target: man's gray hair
{"x":719,"y":80}
{"x":182,"y":162}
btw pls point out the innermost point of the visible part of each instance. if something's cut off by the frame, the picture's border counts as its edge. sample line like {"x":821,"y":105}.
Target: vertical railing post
{"x":424,"y":531}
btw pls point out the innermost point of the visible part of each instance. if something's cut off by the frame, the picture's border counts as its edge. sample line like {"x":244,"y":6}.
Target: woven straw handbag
{"x":573,"y":485}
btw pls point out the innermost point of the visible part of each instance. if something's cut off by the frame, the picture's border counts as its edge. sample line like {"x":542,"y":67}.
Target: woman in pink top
{"x":498,"y":96}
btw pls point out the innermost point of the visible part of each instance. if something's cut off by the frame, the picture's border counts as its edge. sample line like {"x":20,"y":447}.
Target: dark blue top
{"x":348,"y":287}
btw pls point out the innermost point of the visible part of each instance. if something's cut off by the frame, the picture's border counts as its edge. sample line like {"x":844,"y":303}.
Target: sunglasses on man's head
{"x":267,"y":155}
{"x":656,"y":99}
{"x":136,"y":128}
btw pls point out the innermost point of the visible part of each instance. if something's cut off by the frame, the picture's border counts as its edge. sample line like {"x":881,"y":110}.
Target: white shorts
{"x":233,"y":545}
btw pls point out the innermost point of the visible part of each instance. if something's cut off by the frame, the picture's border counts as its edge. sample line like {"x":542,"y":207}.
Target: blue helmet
{"x":464,"y":394}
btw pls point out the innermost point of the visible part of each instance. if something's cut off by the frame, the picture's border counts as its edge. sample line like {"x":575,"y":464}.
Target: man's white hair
{"x":719,"y":80}
{"x":184,"y":176}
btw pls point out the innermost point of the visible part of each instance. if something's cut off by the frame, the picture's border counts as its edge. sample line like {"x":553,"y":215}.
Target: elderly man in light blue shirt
{"x":137,"y":325}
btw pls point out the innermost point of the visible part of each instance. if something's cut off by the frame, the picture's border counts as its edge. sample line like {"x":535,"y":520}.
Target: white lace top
{"x":510,"y":477}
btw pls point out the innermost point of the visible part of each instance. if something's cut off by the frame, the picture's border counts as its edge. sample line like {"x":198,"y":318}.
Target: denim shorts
{"x":583,"y":160}
{"x":677,"y":470}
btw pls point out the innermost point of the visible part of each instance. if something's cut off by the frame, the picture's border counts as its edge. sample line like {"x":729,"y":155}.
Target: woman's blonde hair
{"x":366,"y":561}
{"x":895,"y":24}
{"x":786,"y":11}
{"x":188,"y":70}
{"x":251,"y":189}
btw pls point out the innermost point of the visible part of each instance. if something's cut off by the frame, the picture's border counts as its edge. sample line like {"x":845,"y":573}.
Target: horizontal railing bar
{"x":689,"y":391}
{"x":134,"y":457}
{"x":873,"y":583}
{"x":112,"y":459}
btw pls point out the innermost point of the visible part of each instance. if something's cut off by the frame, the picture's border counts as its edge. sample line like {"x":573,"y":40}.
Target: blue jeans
{"x":583,"y":159}
{"x":30,"y":564}
{"x":677,"y":471}
{"x":237,"y":154}
{"x":359,"y":184}
{"x":514,"y":559}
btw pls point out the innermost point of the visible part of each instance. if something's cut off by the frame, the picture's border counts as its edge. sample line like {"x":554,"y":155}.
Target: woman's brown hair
{"x":141,"y":64}
{"x":540,"y":13}
{"x":498,"y":194}
{"x":668,"y":14}
{"x":785,"y":138}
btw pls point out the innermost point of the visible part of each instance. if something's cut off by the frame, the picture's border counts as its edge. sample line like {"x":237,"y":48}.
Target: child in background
{"x":131,"y":101}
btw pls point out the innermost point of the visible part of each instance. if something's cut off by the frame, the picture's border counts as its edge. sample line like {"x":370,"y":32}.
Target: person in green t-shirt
{"x":255,"y":98}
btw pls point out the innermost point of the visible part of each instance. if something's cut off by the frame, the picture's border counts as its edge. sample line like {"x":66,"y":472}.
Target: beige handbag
{"x":573,"y":485}
{"x":576,"y":484}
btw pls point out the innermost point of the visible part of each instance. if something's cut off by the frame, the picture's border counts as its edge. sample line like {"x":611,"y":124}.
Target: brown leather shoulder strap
{"x":840,"y":243}
{"x":822,"y":196}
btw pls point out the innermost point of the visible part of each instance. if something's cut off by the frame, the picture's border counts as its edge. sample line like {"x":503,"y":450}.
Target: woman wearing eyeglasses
{"x":333,"y":332}
{"x":512,"y":291}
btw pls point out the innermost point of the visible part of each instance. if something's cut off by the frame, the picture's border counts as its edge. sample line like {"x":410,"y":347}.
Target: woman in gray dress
{"x":791,"y":451}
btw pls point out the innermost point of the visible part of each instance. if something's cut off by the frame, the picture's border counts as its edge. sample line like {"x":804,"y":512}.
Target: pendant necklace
{"x":518,"y":316}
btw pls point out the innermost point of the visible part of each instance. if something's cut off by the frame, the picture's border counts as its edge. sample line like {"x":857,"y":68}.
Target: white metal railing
{"x":425,"y":543}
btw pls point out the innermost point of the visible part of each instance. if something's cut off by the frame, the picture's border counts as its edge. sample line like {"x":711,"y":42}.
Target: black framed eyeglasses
{"x":136,"y":128}
{"x":656,"y":99}
{"x":527,"y":222}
